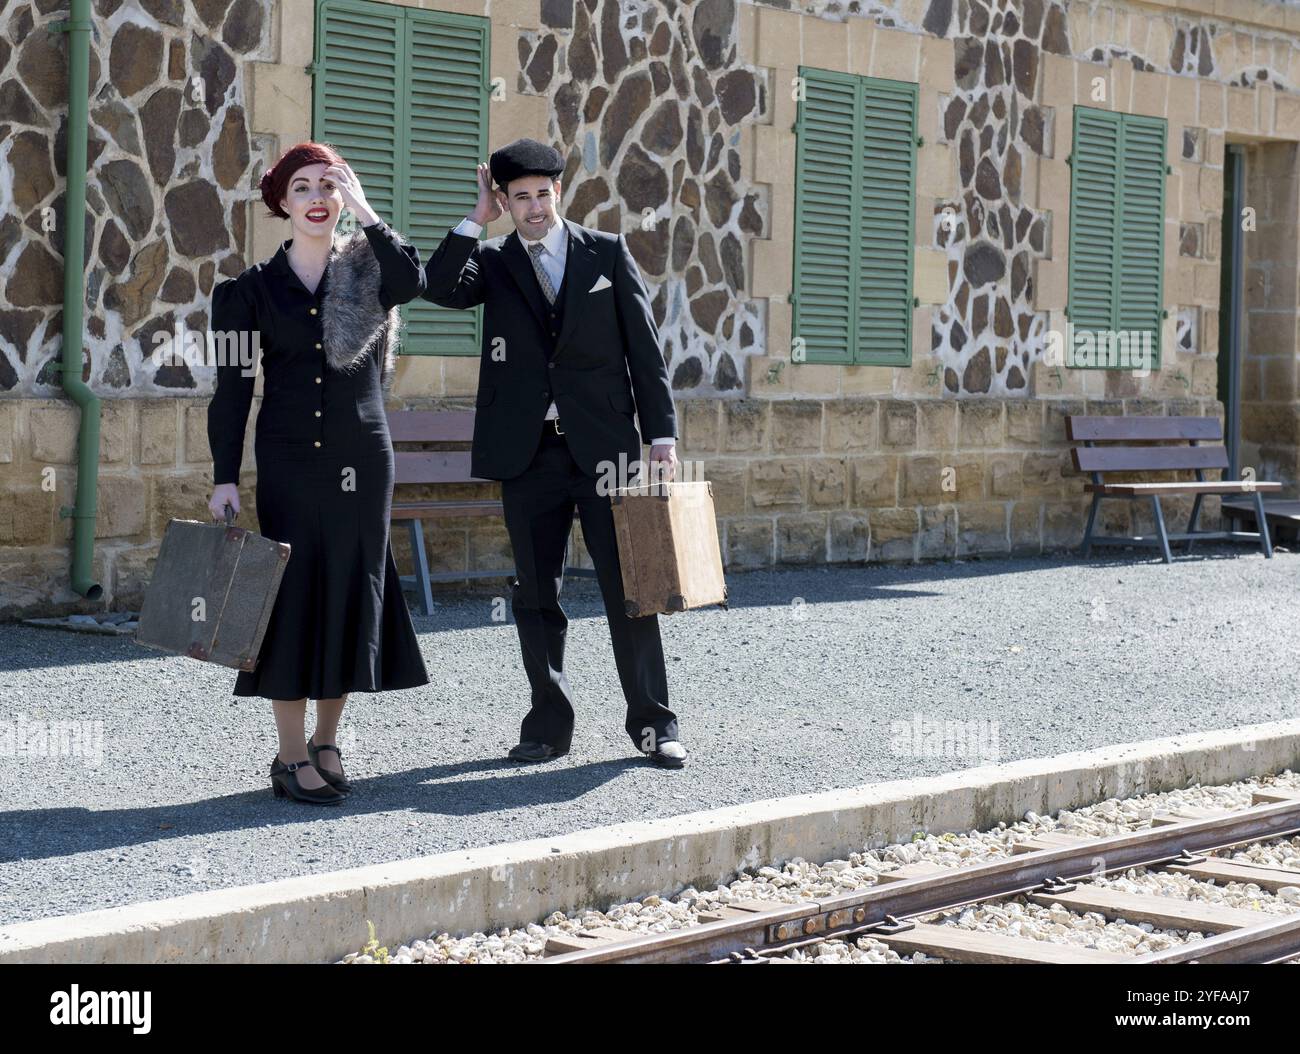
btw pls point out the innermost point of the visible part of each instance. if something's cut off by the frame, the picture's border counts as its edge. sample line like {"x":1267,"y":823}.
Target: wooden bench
{"x":453,"y":430}
{"x":1187,"y":456}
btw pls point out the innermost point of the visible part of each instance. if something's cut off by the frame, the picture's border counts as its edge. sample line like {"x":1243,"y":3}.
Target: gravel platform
{"x":813,"y":679}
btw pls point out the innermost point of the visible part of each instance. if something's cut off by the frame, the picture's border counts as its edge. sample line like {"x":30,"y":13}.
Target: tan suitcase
{"x":212,"y":592}
{"x":668,"y":547}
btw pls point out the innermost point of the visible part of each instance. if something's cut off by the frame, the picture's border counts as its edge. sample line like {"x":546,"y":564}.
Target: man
{"x":570,"y":352}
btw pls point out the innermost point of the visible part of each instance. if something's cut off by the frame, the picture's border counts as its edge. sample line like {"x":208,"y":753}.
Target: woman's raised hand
{"x":349,"y":188}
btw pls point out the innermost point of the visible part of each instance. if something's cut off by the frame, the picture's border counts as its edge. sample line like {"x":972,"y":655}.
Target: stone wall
{"x":850,"y":480}
{"x":649,"y":101}
{"x":169,"y":160}
{"x":1002,"y":126}
{"x":675,"y":119}
{"x":154,"y":464}
{"x":168,"y":164}
{"x":963,"y":452}
{"x":670,"y":98}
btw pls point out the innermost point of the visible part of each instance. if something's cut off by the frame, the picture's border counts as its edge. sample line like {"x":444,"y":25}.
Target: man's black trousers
{"x":539,"y":507}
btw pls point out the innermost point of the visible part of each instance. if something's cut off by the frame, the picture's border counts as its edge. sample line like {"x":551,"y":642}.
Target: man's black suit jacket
{"x":607,"y":351}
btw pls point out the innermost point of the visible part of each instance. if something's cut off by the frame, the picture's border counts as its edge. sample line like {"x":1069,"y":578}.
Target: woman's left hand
{"x":350,"y":191}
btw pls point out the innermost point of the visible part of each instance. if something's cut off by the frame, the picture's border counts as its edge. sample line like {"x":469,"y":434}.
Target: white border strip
{"x":321,"y":917}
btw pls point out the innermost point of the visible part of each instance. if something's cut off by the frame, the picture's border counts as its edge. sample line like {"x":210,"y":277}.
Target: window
{"x":855,"y":188}
{"x":1117,"y":222}
{"x":402,"y":93}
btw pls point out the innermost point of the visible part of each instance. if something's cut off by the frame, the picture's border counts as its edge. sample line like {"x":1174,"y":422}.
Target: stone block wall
{"x":998,"y":85}
{"x":168,"y":176}
{"x":675,"y":120}
{"x":847,"y":480}
{"x":154,"y":465}
{"x":653,"y":106}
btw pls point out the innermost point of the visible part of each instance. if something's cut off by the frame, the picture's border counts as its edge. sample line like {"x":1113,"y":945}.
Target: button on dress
{"x":324,"y":482}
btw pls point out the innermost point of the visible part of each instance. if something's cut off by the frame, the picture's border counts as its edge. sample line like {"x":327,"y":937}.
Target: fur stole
{"x":354,"y":322}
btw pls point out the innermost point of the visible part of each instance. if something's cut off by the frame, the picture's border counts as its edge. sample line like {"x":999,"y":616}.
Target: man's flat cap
{"x":524,"y":157}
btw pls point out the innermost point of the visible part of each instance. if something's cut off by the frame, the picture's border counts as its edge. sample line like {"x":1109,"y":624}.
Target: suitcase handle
{"x":230,"y":514}
{"x":650,"y":487}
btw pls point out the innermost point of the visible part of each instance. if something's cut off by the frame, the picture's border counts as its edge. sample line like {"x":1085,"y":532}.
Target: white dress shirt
{"x":553,"y":257}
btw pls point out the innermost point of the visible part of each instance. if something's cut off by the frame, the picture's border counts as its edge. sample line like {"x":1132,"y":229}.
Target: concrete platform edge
{"x":319,"y":918}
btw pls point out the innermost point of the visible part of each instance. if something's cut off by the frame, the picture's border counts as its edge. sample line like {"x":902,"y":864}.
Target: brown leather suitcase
{"x":211,"y":593}
{"x":668,"y":547}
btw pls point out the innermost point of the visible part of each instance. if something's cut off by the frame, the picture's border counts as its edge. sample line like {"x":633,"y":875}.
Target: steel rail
{"x":879,"y":909}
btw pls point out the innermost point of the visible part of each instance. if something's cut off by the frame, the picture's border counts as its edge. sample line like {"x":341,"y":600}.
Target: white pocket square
{"x":601,"y":283}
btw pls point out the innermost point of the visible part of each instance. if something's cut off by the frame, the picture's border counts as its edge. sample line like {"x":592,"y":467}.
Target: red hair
{"x":275,"y":180}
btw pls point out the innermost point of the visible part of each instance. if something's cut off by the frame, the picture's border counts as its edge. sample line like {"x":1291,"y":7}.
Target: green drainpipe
{"x":78,"y":28}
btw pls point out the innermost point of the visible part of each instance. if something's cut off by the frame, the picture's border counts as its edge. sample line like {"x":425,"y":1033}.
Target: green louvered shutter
{"x":827,"y":207}
{"x":855,"y":187}
{"x":1094,"y":208}
{"x":402,"y":93}
{"x":885,"y":226}
{"x":1142,"y":229}
{"x":447,"y":57}
{"x":1117,"y":217}
{"x":358,"y":95}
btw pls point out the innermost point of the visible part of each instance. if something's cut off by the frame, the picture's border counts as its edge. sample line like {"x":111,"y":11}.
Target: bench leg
{"x":1265,"y":542}
{"x":1092,"y":519}
{"x":416,"y":527}
{"x":1191,"y":524}
{"x":1160,"y":529}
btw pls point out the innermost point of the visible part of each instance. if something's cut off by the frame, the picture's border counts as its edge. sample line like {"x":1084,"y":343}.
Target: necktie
{"x":535,"y":251}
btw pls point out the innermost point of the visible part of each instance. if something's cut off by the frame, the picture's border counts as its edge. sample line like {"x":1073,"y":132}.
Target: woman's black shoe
{"x":284,"y":781}
{"x":337,"y":780}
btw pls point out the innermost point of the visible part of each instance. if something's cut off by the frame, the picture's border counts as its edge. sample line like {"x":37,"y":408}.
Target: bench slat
{"x":1147,"y":458}
{"x":1225,"y":487}
{"x":1109,"y":429}
{"x":439,"y":510}
{"x":433,"y":466}
{"x":431,"y":426}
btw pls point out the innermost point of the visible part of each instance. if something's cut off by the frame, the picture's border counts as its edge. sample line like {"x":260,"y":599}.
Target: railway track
{"x":1051,"y":869}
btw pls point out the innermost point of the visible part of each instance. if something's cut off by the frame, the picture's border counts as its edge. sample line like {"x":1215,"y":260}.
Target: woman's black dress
{"x":324,"y":483}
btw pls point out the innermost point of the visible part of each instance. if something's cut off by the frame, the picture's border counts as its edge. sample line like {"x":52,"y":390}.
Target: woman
{"x":323,"y":310}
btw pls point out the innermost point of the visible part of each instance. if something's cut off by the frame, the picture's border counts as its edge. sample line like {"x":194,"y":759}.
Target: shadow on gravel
{"x":1201,"y":554}
{"x":36,"y":834}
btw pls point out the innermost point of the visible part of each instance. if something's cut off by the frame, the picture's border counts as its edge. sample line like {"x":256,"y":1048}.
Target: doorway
{"x":1259,"y":307}
{"x":1230,"y":304}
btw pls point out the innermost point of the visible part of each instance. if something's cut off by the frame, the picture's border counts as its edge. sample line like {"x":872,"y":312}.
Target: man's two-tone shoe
{"x":669,"y":754}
